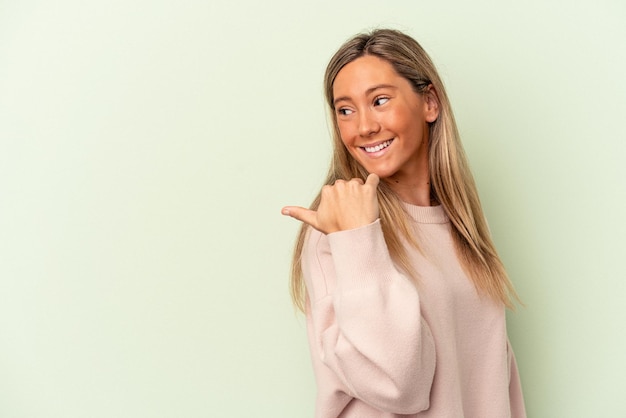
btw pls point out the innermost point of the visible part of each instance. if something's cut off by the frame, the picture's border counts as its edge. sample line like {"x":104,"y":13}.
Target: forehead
{"x":361,"y":74}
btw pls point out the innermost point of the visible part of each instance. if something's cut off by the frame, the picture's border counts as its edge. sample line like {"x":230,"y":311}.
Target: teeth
{"x":378,"y":147}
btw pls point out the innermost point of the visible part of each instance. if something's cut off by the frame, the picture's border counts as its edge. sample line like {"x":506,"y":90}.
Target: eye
{"x":380,"y":100}
{"x":344,"y":111}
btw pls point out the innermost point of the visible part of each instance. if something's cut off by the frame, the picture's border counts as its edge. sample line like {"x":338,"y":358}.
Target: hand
{"x":344,"y":205}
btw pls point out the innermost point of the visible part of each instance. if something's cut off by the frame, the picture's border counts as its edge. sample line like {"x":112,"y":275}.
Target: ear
{"x":432,"y":104}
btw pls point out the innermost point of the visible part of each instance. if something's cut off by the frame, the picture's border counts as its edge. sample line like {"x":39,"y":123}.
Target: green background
{"x":147,"y":147}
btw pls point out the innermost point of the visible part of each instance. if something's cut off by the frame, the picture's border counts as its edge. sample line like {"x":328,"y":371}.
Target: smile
{"x":378,"y":147}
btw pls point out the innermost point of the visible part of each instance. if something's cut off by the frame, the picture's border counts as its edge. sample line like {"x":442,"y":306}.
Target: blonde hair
{"x":452,"y":183}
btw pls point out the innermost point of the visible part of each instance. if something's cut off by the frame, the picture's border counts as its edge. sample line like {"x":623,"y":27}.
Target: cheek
{"x":410,"y":125}
{"x":347,"y":139}
{"x":401,"y":121}
{"x":345,"y":133}
{"x":348,"y":146}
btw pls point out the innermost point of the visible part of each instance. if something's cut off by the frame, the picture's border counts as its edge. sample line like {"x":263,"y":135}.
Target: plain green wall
{"x":146,"y":150}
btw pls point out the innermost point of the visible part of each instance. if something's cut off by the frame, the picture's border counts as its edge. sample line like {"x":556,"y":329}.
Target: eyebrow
{"x":367,"y":92}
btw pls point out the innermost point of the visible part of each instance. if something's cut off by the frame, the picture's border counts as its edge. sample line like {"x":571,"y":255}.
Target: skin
{"x":383,"y":124}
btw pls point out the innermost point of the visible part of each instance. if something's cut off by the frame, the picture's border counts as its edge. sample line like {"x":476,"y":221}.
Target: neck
{"x":414,"y":187}
{"x":416,"y":193}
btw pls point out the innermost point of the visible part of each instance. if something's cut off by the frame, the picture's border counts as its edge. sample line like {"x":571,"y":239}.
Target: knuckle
{"x":328,"y":191}
{"x":356,"y":180}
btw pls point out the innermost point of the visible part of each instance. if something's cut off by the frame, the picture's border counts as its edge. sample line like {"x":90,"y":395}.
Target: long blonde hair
{"x":452,"y":182}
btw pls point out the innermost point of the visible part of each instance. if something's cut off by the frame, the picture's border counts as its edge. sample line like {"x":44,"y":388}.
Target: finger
{"x":302,"y":214}
{"x":372,"y":180}
{"x":358,"y":180}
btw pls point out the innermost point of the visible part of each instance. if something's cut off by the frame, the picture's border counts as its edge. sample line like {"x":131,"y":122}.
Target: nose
{"x":368,"y":124}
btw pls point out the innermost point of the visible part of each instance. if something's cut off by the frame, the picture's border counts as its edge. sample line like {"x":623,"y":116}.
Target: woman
{"x":394,"y":266}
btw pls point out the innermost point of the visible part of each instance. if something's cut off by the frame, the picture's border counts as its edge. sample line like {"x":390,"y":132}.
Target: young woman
{"x":403,"y":290}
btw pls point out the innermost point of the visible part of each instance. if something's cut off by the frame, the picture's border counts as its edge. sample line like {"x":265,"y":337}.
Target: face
{"x":382,"y":121}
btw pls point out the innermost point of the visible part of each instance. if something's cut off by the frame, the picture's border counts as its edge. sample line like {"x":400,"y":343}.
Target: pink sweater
{"x":382,"y":347}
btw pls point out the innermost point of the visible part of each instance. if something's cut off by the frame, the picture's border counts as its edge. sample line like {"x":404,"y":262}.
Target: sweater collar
{"x":427,"y":214}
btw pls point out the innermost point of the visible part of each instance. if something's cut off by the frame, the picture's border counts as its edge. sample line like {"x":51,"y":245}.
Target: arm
{"x":518,"y":410}
{"x":366,"y":320}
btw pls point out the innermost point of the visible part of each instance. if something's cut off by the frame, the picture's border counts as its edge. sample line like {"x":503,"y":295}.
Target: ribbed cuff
{"x":361,"y":257}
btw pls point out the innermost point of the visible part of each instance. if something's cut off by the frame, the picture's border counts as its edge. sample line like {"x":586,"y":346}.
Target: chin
{"x":381,"y":172}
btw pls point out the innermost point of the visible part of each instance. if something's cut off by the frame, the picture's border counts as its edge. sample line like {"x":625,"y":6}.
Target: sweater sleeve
{"x":366,"y":320}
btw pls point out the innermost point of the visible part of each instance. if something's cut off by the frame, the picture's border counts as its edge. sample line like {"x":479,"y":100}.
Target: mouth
{"x":377,"y":147}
